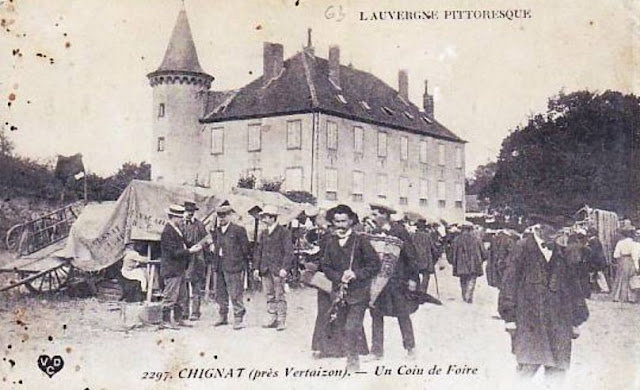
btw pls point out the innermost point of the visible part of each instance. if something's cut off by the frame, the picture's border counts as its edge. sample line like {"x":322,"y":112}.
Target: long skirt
{"x":328,"y":337}
{"x":621,"y":291}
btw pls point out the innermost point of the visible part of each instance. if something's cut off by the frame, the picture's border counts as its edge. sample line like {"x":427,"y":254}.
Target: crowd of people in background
{"x":543,"y":274}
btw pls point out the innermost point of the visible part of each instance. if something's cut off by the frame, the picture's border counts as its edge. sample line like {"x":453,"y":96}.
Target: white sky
{"x":488,"y":76}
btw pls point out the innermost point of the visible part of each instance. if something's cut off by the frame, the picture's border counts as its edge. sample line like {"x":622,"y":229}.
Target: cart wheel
{"x":50,"y":282}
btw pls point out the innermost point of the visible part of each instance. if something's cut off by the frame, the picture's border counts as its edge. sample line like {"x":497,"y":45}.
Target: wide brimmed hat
{"x":341,"y":209}
{"x":382,"y":207}
{"x":269,"y":210}
{"x":175,"y":210}
{"x":190,"y":206}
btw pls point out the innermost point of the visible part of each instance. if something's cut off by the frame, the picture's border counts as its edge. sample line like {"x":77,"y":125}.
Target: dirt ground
{"x":99,"y":353}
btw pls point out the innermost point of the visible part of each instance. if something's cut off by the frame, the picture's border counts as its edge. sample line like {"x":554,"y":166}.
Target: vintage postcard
{"x":288,"y":194}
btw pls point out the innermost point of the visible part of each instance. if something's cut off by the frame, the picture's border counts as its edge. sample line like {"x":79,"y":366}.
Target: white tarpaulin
{"x":98,"y":237}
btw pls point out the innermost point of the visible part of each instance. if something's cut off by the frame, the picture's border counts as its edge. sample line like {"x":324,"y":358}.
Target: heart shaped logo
{"x":50,"y":365}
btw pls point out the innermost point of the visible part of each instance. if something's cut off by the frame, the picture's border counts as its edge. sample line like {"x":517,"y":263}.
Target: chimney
{"x":272,"y":60}
{"x":309,"y":48}
{"x":334,"y":64}
{"x":403,"y":84}
{"x":427,"y":101}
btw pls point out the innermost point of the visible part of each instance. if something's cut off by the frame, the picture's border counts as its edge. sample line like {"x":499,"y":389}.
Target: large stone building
{"x":337,"y":132}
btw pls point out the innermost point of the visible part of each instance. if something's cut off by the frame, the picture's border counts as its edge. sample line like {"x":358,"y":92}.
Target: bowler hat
{"x":190,"y":206}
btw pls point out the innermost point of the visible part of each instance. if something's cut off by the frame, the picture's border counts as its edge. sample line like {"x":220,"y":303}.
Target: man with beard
{"x":541,"y":303}
{"x":350,"y":262}
{"x":392,"y":301}
{"x":230,"y":259}
{"x":194,"y":231}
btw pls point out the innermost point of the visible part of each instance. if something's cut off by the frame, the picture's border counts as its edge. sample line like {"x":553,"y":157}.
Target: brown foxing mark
{"x":67,"y":44}
{"x":68,"y":350}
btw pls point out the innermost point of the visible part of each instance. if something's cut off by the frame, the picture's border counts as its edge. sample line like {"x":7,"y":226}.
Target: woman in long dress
{"x":626,"y":256}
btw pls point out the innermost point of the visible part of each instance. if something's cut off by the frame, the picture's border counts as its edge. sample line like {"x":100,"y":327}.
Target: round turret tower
{"x":179,"y":97}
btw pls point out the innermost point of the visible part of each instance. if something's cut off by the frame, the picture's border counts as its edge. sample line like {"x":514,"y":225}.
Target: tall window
{"x":424,"y":192}
{"x":404,"y":148}
{"x":382,"y":185}
{"x":294,"y":134}
{"x":161,"y":110}
{"x":442,"y":193}
{"x":216,"y":181}
{"x":331,"y":184}
{"x":160,"y":144}
{"x":459,"y":195}
{"x":404,"y":190}
{"x":382,"y":144}
{"x":441,"y":154}
{"x":458,"y":157}
{"x":423,"y":152}
{"x":358,"y":140}
{"x":358,"y":186}
{"x":332,"y":135}
{"x":254,"y":137}
{"x":217,"y":140}
{"x":293,"y":179}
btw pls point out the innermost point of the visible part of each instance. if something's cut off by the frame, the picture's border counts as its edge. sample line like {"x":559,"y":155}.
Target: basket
{"x":634,"y":282}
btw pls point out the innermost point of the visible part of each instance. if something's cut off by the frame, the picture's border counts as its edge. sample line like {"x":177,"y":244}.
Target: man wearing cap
{"x":193,"y":230}
{"x":467,"y":255}
{"x":272,"y":259}
{"x":350,"y":262}
{"x":393,"y":301}
{"x":541,"y":303}
{"x":230,"y":258}
{"x":174,"y":262}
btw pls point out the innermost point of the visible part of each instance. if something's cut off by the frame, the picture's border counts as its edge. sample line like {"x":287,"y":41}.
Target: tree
{"x":300,"y":197}
{"x":272,"y":185}
{"x":6,"y":146}
{"x":482,"y":176}
{"x":583,"y":150}
{"x":114,"y":185}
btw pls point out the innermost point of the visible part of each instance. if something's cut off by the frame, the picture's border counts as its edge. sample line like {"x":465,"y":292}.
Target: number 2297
{"x":156,"y":375}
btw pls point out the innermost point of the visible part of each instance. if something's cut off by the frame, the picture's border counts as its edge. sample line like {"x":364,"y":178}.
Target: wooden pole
{"x":86,"y":198}
{"x":151,"y":269}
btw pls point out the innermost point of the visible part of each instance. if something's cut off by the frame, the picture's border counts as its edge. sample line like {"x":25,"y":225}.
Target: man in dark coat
{"x":595,"y":258}
{"x":174,"y":262}
{"x":230,"y":261}
{"x":193,"y":230}
{"x":427,"y":253}
{"x":467,"y":255}
{"x":541,"y":303}
{"x":350,"y":262}
{"x":393,"y":301}
{"x":501,"y":246}
{"x":273,"y":259}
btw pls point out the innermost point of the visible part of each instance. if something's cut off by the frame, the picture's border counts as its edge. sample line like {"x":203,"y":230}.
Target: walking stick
{"x":190,"y":286}
{"x":435,"y":276}
{"x":207,"y":283}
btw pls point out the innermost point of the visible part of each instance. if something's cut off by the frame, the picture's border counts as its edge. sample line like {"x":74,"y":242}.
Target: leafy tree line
{"x":584,"y":150}
{"x":25,"y":177}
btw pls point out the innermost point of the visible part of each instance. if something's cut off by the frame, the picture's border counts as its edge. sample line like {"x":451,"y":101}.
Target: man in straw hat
{"x":174,"y":262}
{"x":541,"y":303}
{"x":273,"y":259}
{"x":350,"y":262}
{"x":392,"y":300}
{"x":230,"y":259}
{"x":193,"y":230}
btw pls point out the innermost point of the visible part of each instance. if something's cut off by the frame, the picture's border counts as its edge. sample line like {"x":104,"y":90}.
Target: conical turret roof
{"x":181,"y":53}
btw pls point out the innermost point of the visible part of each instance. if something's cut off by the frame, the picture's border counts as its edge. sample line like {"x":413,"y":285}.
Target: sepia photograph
{"x":288,"y":194}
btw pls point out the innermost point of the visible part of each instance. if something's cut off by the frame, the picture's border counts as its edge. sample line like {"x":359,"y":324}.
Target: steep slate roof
{"x":181,"y":53}
{"x":304,"y":86}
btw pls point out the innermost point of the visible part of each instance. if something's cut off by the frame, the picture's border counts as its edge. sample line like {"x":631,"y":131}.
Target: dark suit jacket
{"x":366,"y":265}
{"x":234,"y":246}
{"x":175,"y":257}
{"x":274,"y":251}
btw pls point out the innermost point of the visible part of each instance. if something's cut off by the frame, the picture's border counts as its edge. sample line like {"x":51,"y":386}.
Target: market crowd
{"x":385,"y":266}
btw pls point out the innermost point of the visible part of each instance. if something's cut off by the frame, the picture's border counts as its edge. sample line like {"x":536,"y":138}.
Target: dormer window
{"x":341,"y":99}
{"x":427,"y":120}
{"x":387,"y":110}
{"x":365,"y":105}
{"x":409,"y":116}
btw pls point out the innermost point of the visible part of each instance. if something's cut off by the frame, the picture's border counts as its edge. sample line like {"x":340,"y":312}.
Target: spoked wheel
{"x":50,"y":282}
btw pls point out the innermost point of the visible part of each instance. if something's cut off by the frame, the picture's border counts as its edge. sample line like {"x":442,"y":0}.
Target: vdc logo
{"x":50,"y":365}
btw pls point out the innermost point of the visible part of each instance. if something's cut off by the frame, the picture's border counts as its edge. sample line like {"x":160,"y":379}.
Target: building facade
{"x":336,"y":132}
